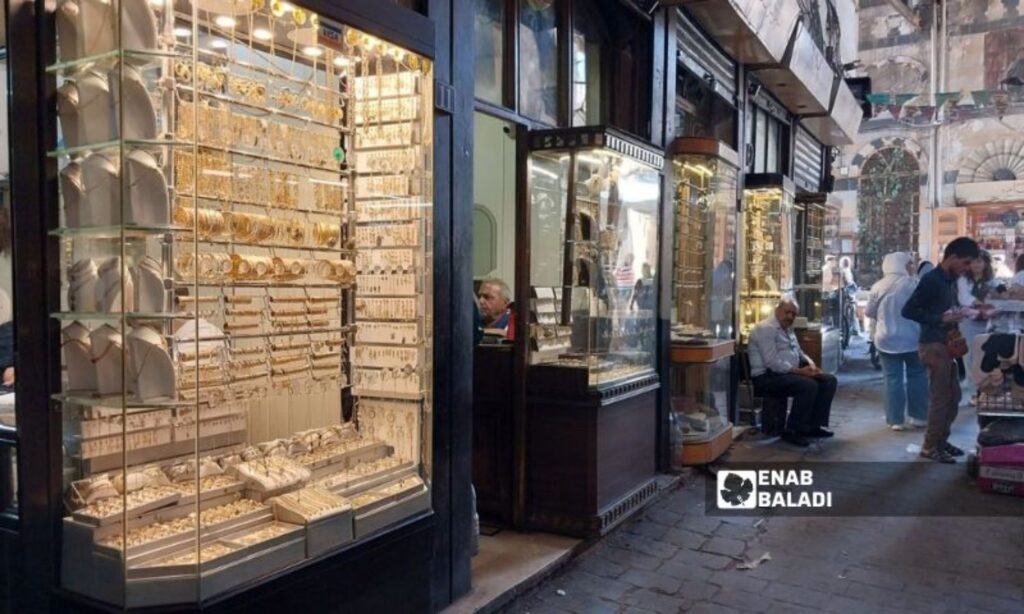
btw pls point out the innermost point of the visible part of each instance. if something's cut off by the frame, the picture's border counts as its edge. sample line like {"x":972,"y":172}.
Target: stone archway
{"x":888,"y":207}
{"x":1001,"y":160}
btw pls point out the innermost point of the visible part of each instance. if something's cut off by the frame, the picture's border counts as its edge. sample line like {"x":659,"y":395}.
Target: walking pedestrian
{"x":933,"y":306}
{"x":895,"y":338}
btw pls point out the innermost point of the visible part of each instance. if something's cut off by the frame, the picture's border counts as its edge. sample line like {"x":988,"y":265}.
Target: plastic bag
{"x":1002,"y":433}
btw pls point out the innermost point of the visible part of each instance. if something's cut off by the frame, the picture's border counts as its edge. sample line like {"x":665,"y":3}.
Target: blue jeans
{"x":902,"y":394}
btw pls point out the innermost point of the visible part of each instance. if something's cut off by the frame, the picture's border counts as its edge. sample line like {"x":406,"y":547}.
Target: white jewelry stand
{"x":73,"y":193}
{"x":97,"y":25}
{"x":67,"y":111}
{"x":138,"y":26}
{"x":109,"y":288}
{"x":147,"y":190}
{"x":151,"y":365}
{"x":139,"y":116}
{"x":78,"y":358}
{"x":149,"y":286}
{"x":107,"y":357}
{"x":95,"y":110}
{"x":67,"y":18}
{"x":82,"y":280}
{"x":102,"y":190}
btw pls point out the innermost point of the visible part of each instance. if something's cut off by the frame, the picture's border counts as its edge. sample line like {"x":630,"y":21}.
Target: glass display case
{"x":245,"y":311}
{"x":817,"y":328}
{"x":706,"y":195}
{"x":594,"y":204}
{"x":769,"y":231}
{"x":810,"y":240}
{"x":704,"y":253}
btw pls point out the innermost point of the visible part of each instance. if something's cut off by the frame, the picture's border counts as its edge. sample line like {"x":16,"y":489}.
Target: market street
{"x":674,"y":558}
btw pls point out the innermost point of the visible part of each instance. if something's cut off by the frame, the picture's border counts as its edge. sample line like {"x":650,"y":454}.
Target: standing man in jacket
{"x":933,"y":306}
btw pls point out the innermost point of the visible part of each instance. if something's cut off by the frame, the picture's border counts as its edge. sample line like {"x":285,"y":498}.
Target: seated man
{"x":779,"y":368}
{"x":494,"y":300}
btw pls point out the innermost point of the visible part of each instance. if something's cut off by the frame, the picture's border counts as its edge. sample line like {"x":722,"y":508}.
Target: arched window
{"x":485,"y":242}
{"x":888,"y":206}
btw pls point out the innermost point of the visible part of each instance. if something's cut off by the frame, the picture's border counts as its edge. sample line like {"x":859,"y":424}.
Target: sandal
{"x":952,"y":450}
{"x":939,"y":456}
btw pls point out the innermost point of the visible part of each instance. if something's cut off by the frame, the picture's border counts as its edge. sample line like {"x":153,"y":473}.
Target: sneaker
{"x":917,"y":424}
{"x":939,"y":456}
{"x":898,"y":427}
{"x":952,"y":450}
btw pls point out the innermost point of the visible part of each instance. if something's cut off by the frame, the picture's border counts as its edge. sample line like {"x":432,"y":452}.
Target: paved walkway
{"x":676,"y":559}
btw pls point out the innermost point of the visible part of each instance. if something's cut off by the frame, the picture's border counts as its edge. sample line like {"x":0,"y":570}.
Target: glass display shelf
{"x":704,"y":253}
{"x":137,"y":58}
{"x":305,"y":119}
{"x":113,"y":316}
{"x":769,"y":230}
{"x":117,"y":231}
{"x":272,"y":336}
{"x":594,"y":210}
{"x":143,"y":144}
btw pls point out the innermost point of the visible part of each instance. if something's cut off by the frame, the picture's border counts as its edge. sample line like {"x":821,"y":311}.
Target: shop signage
{"x":1010,"y":219}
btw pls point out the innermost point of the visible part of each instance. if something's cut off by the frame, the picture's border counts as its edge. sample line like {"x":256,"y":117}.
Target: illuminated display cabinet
{"x":593,"y":257}
{"x":588,"y":280}
{"x":246,"y":293}
{"x":818,"y":330}
{"x":769,"y":231}
{"x":704,"y":172}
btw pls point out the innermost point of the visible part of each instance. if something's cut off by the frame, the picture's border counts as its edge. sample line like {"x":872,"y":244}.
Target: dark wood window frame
{"x":509,"y":109}
{"x":755,"y":112}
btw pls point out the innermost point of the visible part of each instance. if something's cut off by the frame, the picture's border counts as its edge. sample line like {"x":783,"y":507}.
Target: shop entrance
{"x":506,"y":556}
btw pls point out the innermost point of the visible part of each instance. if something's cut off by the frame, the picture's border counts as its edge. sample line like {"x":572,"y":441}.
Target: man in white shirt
{"x":779,"y":368}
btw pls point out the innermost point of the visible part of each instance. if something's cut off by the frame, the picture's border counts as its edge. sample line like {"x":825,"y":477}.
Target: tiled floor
{"x":674,"y":558}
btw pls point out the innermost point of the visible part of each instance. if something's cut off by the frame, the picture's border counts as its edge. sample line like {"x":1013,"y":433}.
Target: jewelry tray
{"x":323,"y":533}
{"x":104,"y":575}
{"x":380,"y":514}
{"x":209,"y":531}
{"x":343,"y":461}
{"x":146,"y":566}
{"x":364,"y":483}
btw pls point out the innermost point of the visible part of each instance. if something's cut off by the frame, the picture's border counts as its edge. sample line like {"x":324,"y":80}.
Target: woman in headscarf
{"x":906,"y":382}
{"x":972,"y":289}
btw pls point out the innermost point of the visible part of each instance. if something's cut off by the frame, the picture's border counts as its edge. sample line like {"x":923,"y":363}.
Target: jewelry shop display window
{"x":816,"y":328}
{"x":768,"y":242}
{"x":706,"y":192}
{"x":810,"y":257}
{"x":245,"y":313}
{"x":594,"y":206}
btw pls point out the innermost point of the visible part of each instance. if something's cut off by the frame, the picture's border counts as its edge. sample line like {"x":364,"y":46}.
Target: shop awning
{"x":751,"y":31}
{"x":803,"y":80}
{"x":842,"y":122}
